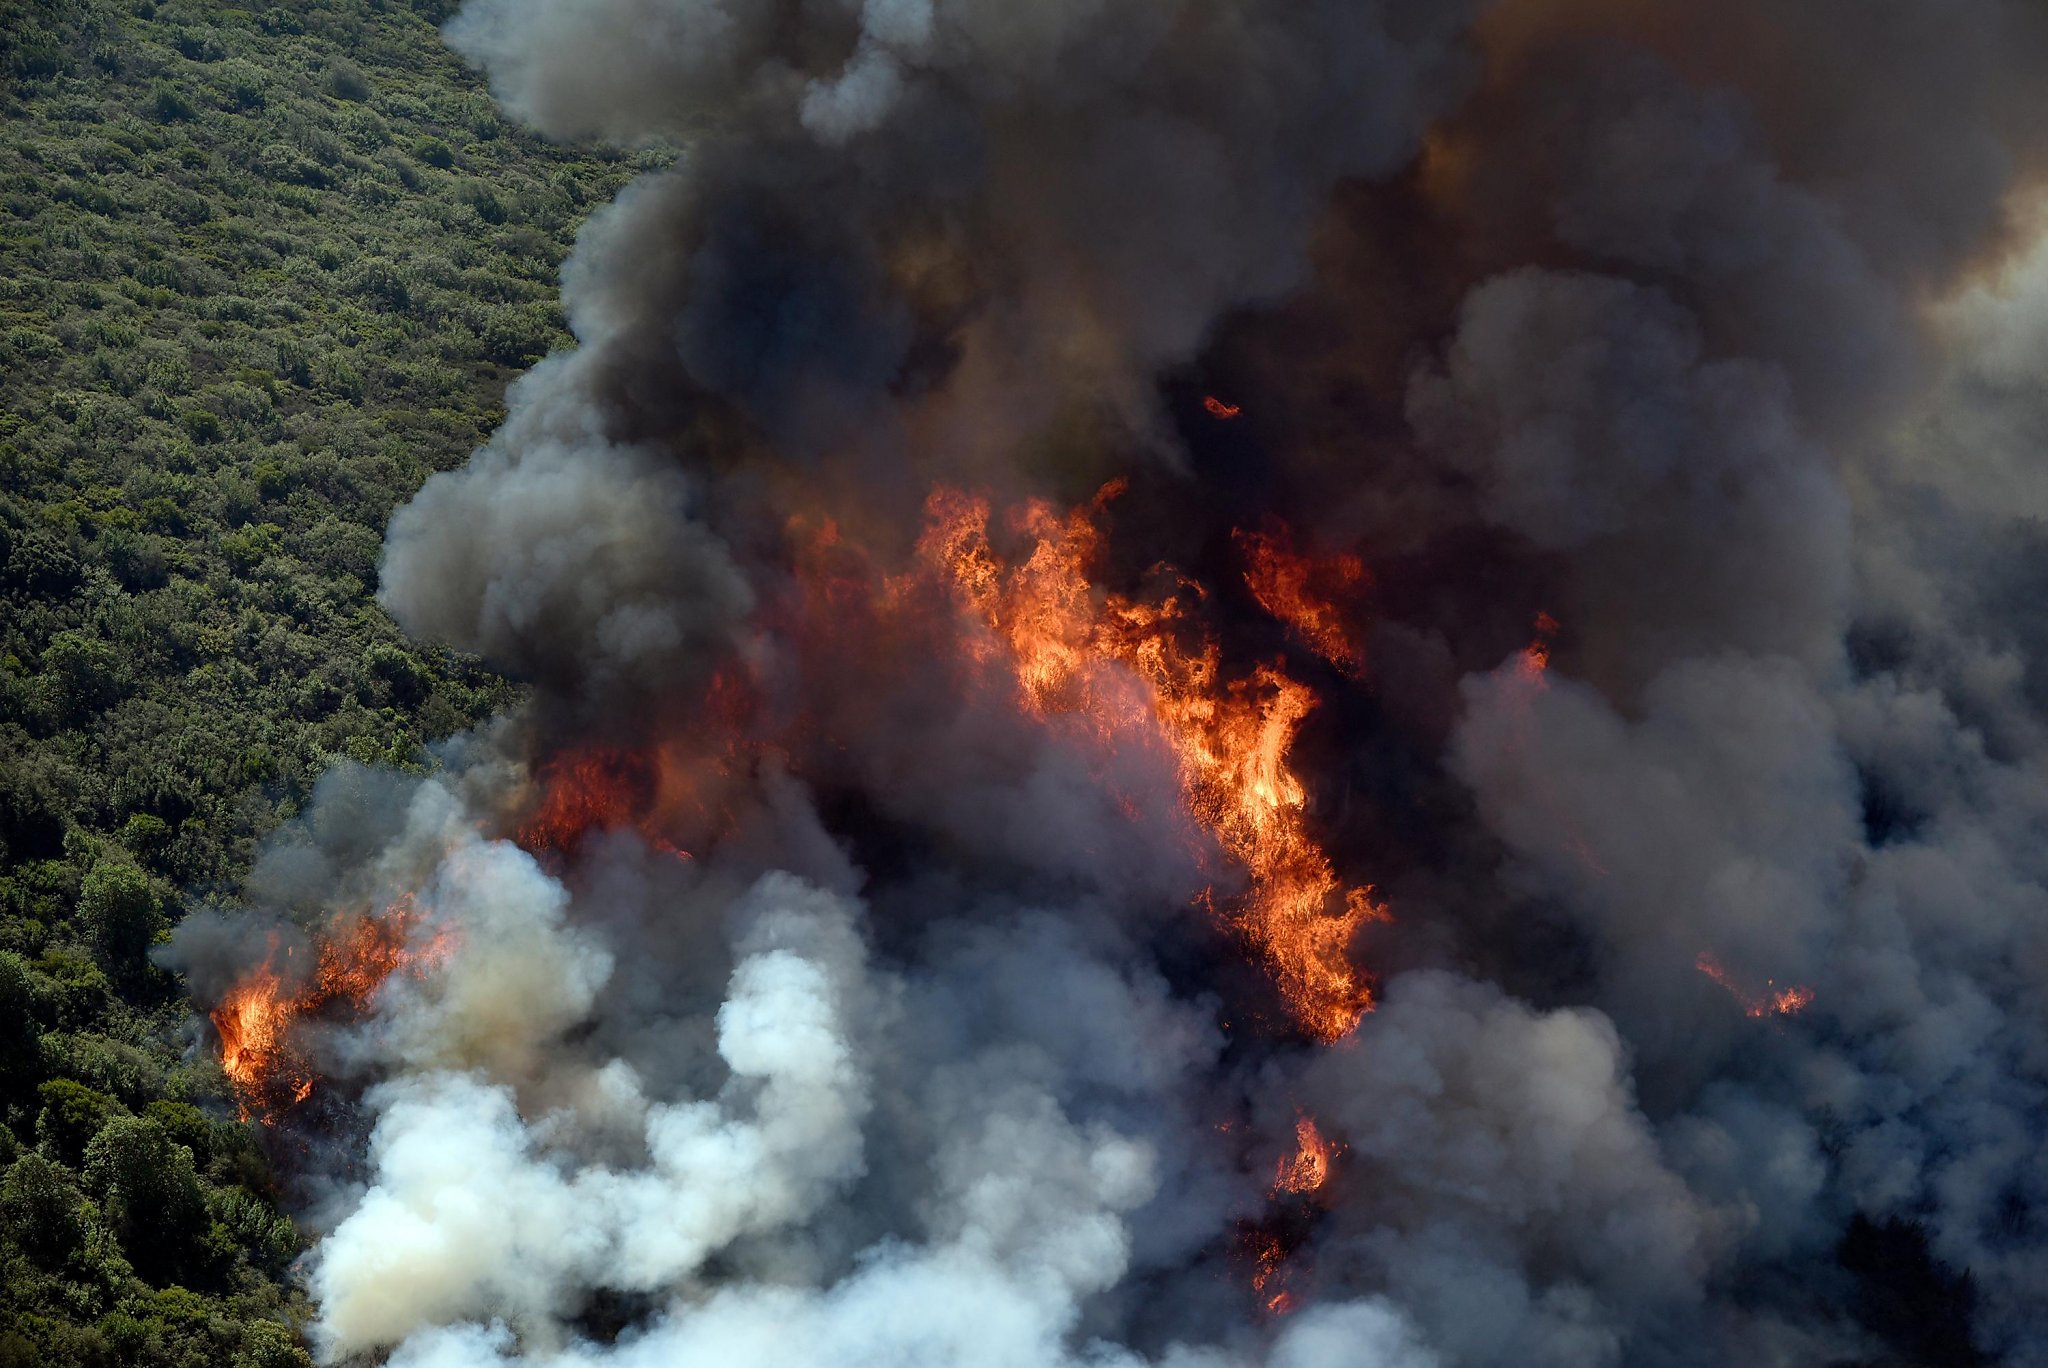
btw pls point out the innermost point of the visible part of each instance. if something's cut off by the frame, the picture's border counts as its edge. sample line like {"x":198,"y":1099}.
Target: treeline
{"x":261,"y":272}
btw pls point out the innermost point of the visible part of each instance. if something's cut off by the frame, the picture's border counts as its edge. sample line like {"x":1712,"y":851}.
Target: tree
{"x":19,"y":1054}
{"x":42,"y":1210}
{"x":121,"y":915}
{"x":149,"y":1189}
{"x":85,"y":675}
{"x":72,"y":1116}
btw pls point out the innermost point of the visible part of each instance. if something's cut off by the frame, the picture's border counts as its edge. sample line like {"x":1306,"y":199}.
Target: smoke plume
{"x":926,"y":910}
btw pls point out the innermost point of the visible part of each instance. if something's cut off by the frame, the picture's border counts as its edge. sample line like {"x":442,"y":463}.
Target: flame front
{"x":256,"y":1019}
{"x":1127,"y":670}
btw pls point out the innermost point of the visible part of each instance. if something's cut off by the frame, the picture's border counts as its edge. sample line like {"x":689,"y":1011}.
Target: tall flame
{"x":1122,"y":669}
{"x":251,"y":1021}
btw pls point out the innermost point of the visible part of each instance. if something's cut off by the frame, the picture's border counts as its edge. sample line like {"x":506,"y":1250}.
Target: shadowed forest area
{"x":264,"y":272}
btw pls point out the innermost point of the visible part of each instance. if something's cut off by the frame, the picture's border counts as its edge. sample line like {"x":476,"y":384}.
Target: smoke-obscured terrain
{"x":1214,"y":684}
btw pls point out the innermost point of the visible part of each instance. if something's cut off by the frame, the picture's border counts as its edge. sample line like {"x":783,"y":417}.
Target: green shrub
{"x":149,"y":1189}
{"x":201,"y":425}
{"x":170,"y":105}
{"x":45,"y":1214}
{"x":346,"y":81}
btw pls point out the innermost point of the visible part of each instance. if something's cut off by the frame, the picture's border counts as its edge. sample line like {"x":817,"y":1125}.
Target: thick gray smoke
{"x":1714,"y":1027}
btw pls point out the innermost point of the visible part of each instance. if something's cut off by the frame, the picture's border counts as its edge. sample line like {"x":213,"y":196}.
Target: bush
{"x":138,"y":559}
{"x":18,"y":1054}
{"x":514,"y":337}
{"x":201,"y":425}
{"x":170,"y":105}
{"x":346,"y":81}
{"x":434,"y":153}
{"x":85,"y":674}
{"x":45,"y":1214}
{"x":484,"y":202}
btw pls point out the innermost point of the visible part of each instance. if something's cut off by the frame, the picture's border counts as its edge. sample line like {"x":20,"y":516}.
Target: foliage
{"x":262,"y":272}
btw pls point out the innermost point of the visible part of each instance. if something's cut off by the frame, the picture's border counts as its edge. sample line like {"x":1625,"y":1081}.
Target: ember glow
{"x":1127,"y":671}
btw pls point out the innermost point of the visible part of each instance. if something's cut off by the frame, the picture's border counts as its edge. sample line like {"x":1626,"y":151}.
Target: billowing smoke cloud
{"x":1713,"y":1027}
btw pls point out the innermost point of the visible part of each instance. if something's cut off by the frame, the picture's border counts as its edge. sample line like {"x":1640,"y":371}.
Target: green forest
{"x":264,"y":272}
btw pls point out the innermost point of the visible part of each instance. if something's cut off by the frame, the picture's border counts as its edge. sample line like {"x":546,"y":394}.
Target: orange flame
{"x":606,"y":788}
{"x":1268,"y":1254}
{"x":585,"y":790}
{"x":1125,"y":671}
{"x":256,"y":1018}
{"x":251,"y":1021}
{"x":1272,"y":1244}
{"x":1218,"y":409}
{"x":1306,"y":593}
{"x":1773,"y":1001}
{"x":1309,"y":1168}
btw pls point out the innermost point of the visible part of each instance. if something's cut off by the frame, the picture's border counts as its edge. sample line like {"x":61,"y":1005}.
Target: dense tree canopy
{"x":264,"y":271}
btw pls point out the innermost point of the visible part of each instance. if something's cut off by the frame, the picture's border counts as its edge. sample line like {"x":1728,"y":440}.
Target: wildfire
{"x":1125,"y":670}
{"x":1218,"y":409}
{"x":582,"y":790}
{"x":255,"y":1019}
{"x":1773,"y":1001}
{"x":1270,"y":1245}
{"x":1309,"y":1168}
{"x":1536,"y":655}
{"x":1306,"y":593}
{"x":604,"y":788}
{"x":251,"y":1021}
{"x":1267,"y":1252}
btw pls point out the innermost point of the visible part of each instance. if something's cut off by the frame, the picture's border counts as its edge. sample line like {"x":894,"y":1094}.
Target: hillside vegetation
{"x":264,"y":271}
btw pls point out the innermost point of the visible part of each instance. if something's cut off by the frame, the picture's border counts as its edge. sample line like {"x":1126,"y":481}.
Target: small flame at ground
{"x":1218,"y":409}
{"x":1536,"y":655}
{"x":1271,"y":1246}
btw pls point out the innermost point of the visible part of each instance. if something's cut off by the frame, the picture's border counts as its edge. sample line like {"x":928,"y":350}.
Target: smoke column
{"x":822,"y":967}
